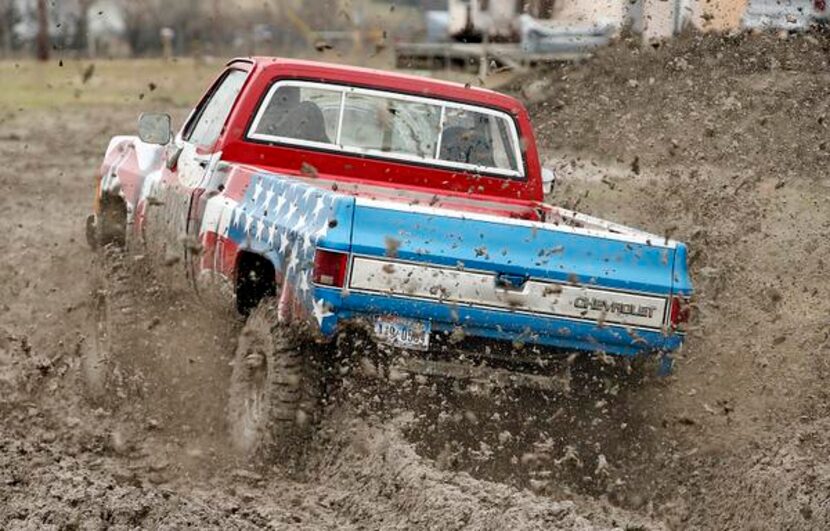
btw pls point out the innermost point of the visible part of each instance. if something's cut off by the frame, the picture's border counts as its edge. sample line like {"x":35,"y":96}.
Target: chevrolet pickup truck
{"x":327,"y":200}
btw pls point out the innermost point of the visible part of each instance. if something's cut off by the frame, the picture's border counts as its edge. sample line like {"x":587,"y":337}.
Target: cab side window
{"x":207,"y":125}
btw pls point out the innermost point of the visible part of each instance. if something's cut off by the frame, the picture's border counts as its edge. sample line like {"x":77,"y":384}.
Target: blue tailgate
{"x":591,"y":287}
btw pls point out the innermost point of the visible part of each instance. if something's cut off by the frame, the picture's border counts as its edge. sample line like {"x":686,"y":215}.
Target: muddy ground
{"x":720,"y":142}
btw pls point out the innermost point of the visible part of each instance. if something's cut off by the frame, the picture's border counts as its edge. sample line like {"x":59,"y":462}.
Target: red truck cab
{"x":512,"y":187}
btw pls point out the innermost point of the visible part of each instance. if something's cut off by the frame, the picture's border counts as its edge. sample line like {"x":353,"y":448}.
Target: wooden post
{"x":166,"y":35}
{"x":42,"y":31}
{"x":484,"y":62}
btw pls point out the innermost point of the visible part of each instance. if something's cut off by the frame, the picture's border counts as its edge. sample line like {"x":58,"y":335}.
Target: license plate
{"x":404,"y":333}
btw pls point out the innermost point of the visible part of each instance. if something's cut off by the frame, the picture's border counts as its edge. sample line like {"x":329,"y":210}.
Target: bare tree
{"x":142,"y":20}
{"x":7,"y":20}
{"x":81,"y":35}
{"x":42,"y":31}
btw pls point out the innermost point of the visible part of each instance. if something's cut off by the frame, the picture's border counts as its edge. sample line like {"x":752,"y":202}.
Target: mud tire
{"x":276,"y":390}
{"x":110,"y":226}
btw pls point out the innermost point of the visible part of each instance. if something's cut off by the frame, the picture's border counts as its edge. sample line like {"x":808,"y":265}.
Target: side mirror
{"x":154,"y":128}
{"x":548,"y":180}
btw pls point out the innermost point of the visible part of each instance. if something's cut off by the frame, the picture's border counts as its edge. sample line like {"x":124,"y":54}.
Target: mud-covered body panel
{"x":286,"y":219}
{"x":450,"y":249}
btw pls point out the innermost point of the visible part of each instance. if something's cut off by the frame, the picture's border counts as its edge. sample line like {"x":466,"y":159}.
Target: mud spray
{"x":718,"y":141}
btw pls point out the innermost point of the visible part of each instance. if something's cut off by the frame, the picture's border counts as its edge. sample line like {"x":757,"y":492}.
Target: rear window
{"x":389,"y":125}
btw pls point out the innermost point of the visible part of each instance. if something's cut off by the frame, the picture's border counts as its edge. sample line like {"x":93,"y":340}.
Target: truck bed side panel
{"x":281,"y":218}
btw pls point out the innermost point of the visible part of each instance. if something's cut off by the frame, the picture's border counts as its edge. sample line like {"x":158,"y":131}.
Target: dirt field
{"x":718,"y":142}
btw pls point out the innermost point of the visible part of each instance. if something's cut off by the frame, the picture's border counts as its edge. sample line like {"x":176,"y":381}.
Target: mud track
{"x":718,"y":142}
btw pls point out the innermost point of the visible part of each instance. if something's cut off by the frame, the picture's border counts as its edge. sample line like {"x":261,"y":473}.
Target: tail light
{"x":680,"y":312}
{"x":330,"y":268}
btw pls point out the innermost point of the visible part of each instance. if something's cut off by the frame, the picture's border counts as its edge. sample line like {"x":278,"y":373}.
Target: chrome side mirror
{"x":154,"y":128}
{"x":548,"y":180}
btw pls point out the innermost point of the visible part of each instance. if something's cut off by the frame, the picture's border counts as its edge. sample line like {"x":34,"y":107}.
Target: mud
{"x":720,"y":142}
{"x":152,"y":452}
{"x":727,"y":136}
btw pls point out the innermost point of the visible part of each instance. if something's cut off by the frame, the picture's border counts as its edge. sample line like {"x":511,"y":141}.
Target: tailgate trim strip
{"x":473,"y":288}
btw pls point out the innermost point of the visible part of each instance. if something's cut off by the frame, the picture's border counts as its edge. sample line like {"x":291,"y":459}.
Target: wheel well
{"x":255,"y":280}
{"x":113,"y":203}
{"x":112,"y":218}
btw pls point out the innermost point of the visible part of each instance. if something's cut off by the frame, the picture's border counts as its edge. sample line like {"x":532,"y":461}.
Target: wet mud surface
{"x":717,"y":142}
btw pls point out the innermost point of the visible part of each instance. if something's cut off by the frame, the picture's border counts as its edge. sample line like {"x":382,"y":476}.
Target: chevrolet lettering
{"x":586,"y":303}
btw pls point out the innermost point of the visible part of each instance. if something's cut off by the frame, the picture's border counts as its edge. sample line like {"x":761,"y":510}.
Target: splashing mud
{"x":728,"y":140}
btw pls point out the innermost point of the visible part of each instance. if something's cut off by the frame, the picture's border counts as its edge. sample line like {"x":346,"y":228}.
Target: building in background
{"x":239,"y":27}
{"x":784,"y":15}
{"x":717,"y":15}
{"x":484,"y":35}
{"x":501,"y":20}
{"x":660,"y":19}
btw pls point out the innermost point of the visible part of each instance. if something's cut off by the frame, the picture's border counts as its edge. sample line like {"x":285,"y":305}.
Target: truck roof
{"x":394,"y":81}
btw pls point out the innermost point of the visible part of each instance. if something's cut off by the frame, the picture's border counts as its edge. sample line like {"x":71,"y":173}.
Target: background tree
{"x":43,"y":40}
{"x":9,"y":16}
{"x":80,"y":37}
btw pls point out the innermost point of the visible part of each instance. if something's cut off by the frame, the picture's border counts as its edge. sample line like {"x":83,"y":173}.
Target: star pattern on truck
{"x":285,"y":219}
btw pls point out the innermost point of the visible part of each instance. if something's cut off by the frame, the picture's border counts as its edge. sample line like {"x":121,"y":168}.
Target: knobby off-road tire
{"x":111,"y":306}
{"x":109,"y":227}
{"x":277,"y":384}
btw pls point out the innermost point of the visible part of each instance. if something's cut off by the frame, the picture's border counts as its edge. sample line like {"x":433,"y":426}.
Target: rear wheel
{"x":276,"y":386}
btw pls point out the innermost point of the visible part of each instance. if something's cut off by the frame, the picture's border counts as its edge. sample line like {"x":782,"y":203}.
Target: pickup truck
{"x":326,"y":200}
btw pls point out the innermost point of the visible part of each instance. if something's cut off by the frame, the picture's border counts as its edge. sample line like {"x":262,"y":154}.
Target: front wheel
{"x":109,"y":227}
{"x":276,"y":386}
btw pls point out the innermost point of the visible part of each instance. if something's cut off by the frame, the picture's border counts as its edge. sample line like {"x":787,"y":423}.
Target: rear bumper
{"x":502,"y":325}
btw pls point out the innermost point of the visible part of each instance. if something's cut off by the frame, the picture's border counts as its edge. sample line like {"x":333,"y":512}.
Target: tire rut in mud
{"x":111,"y":304}
{"x":365,"y":454}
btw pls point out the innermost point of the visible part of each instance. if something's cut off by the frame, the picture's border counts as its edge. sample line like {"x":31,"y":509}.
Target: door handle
{"x":202,"y":161}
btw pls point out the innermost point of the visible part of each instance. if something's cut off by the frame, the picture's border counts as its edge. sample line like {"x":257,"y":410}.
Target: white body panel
{"x":477,"y":288}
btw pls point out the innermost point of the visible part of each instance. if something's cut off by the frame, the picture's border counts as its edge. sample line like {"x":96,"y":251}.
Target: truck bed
{"x":572,"y":282}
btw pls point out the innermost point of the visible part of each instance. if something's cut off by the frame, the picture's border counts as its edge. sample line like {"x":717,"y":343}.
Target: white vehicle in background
{"x":788,"y":15}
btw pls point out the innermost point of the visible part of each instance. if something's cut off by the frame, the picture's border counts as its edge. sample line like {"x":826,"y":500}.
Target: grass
{"x":152,"y":84}
{"x":148,"y":84}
